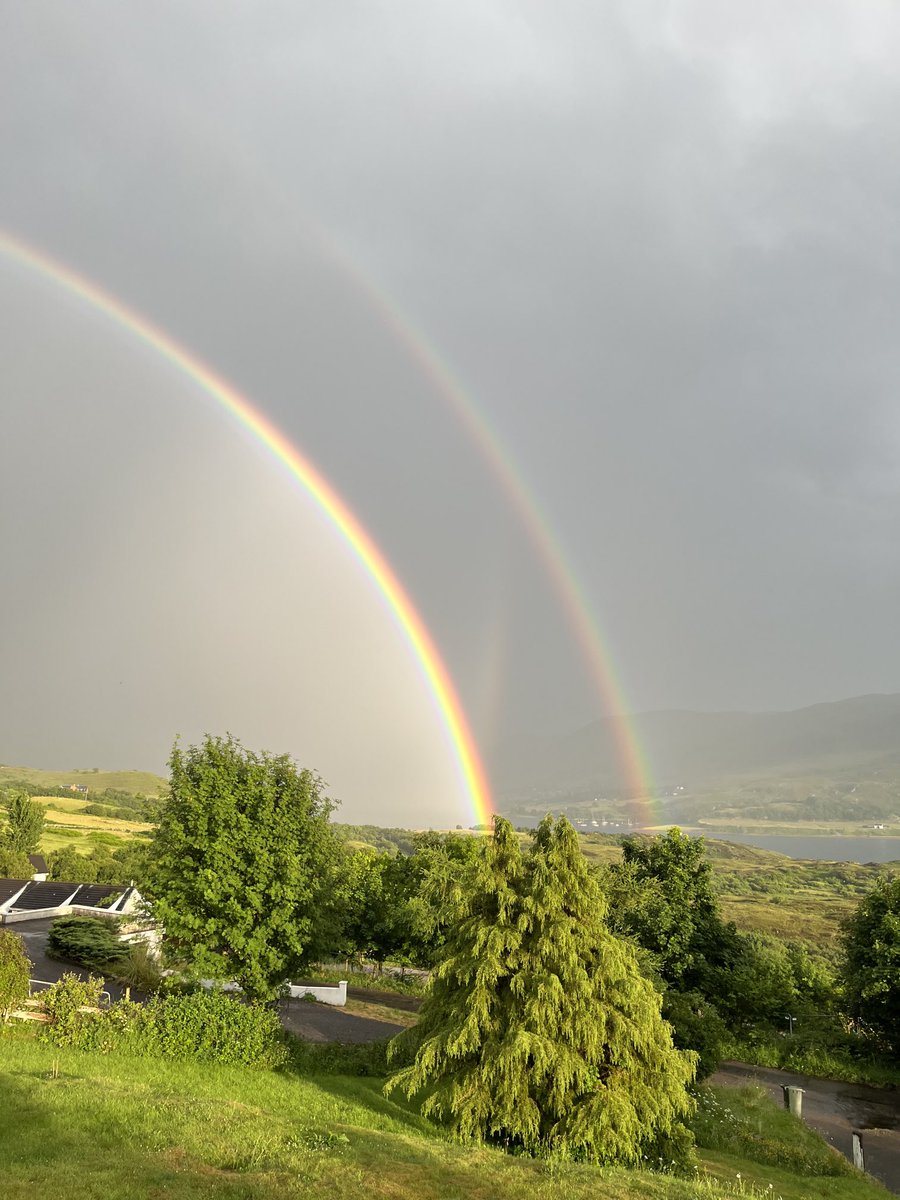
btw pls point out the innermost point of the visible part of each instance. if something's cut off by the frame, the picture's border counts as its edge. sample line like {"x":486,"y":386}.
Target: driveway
{"x":835,"y":1110}
{"x":325,"y":1023}
{"x":49,"y":970}
{"x":312,"y":1022}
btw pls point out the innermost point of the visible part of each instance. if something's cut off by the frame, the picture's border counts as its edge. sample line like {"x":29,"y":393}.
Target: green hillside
{"x":134,"y":782}
{"x":88,"y":1126}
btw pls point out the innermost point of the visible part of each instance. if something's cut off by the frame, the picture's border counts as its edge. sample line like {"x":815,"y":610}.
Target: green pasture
{"x":135,"y":782}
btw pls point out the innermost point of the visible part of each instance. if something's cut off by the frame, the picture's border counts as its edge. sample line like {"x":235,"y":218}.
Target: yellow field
{"x":88,"y":822}
{"x":63,"y":803}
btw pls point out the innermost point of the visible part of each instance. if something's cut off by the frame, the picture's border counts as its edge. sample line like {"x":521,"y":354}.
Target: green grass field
{"x":135,"y":782}
{"x":94,"y":1127}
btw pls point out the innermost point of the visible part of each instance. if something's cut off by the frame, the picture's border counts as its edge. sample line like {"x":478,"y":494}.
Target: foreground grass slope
{"x":94,"y":1127}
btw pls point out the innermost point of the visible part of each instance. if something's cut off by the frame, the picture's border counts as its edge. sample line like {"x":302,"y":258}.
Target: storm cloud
{"x":654,"y":244}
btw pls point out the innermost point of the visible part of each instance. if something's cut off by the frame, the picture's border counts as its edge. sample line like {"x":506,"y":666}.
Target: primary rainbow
{"x":469,"y":764}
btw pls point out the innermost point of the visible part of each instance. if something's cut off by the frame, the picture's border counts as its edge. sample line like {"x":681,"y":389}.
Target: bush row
{"x":207,"y":1026}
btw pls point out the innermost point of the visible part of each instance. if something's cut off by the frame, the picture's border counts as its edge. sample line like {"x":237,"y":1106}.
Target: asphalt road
{"x":834,"y":1110}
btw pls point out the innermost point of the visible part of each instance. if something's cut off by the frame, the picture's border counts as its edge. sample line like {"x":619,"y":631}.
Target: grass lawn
{"x":93,"y":1127}
{"x":380,"y":1012}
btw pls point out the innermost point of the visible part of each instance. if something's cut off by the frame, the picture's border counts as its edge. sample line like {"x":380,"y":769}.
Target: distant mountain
{"x":698,"y":749}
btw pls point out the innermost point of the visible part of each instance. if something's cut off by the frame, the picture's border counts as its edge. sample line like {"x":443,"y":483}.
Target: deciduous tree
{"x":14,"y":865}
{"x":872,"y":962}
{"x":24,"y":824}
{"x":666,"y":901}
{"x":242,"y":864}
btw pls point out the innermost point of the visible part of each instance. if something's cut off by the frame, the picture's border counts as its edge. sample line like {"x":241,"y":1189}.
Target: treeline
{"x":391,"y":841}
{"x":253,"y":881}
{"x":817,"y":808}
{"x":108,"y":802}
{"x":125,"y":864}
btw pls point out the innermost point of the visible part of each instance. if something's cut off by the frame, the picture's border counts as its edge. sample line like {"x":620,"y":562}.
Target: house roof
{"x":38,"y":862}
{"x":9,"y":887}
{"x":53,"y":893}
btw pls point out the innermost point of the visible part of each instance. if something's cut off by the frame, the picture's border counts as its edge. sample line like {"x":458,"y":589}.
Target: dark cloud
{"x":655,"y":247}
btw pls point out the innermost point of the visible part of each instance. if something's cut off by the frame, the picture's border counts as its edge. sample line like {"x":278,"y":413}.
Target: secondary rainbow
{"x":633,"y":762}
{"x":318,"y":488}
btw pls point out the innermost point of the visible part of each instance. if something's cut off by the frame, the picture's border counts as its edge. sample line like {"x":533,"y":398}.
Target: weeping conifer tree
{"x":539,"y":1031}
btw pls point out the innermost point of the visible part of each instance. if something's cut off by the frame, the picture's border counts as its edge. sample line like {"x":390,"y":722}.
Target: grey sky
{"x":656,"y":243}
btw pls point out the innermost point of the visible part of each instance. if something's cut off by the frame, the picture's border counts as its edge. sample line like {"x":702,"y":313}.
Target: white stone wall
{"x":327,"y":995}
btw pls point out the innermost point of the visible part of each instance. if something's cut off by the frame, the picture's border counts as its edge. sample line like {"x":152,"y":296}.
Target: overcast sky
{"x":655,"y":244}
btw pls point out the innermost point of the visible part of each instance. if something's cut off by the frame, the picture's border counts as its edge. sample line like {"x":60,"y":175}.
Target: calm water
{"x":832,"y":849}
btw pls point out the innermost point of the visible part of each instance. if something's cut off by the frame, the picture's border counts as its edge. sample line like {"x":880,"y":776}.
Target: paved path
{"x":391,"y":999}
{"x":834,"y":1109}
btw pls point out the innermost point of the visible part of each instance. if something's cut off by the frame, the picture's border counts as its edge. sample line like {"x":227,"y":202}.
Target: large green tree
{"x":24,"y":824}
{"x":242,"y":864}
{"x":665,"y":900}
{"x":872,"y":962}
{"x":539,"y":1031}
{"x":374,"y":893}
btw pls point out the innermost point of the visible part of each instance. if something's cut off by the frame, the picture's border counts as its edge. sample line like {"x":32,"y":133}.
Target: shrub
{"x":15,"y":970}
{"x":204,"y":1026}
{"x":139,"y":968}
{"x":211,"y":1026}
{"x":412,"y":984}
{"x":89,"y":941}
{"x":63,"y":1002}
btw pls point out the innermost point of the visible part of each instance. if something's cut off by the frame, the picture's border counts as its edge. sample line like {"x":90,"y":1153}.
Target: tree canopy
{"x":242,"y":864}
{"x":538,"y":1030}
{"x":24,"y":824}
{"x":872,"y":962}
{"x":666,"y":901}
{"x":15,"y":969}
